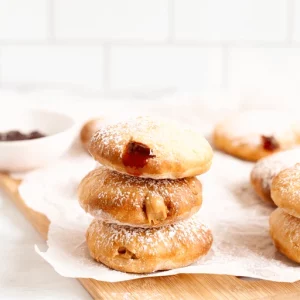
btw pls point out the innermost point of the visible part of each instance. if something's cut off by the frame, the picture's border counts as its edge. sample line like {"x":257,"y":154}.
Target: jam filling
{"x":269,"y":143}
{"x":136,"y":156}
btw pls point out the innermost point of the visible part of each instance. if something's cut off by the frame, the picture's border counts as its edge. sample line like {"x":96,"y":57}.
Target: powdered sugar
{"x":173,"y":148}
{"x":286,"y":229}
{"x":286,"y":190}
{"x":124,"y":187}
{"x":185,"y":232}
{"x":116,"y":190}
{"x":238,"y":220}
{"x":248,"y":127}
{"x":267,"y":168}
{"x":114,"y":137}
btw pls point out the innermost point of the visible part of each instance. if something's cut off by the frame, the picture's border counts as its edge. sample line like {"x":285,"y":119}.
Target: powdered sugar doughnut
{"x":285,"y":190}
{"x":285,"y":232}
{"x":140,"y":250}
{"x":127,"y":200}
{"x":256,"y":134}
{"x":152,"y":148}
{"x":267,"y":168}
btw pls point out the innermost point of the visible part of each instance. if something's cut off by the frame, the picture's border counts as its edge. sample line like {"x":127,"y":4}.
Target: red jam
{"x":135,"y":157}
{"x":269,"y":143}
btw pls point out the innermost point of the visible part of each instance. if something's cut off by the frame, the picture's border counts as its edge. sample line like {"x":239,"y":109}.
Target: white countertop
{"x":23,"y":273}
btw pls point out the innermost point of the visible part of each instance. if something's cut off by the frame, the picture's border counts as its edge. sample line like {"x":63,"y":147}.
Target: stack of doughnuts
{"x":144,"y":195}
{"x":267,"y":168}
{"x":285,"y":220}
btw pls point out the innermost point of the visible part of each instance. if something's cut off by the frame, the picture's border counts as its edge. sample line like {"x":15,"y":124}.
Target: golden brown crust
{"x":89,"y":129}
{"x":262,"y":191}
{"x":124,"y":199}
{"x":285,"y":190}
{"x":140,"y":250}
{"x":152,"y":148}
{"x":254,"y":135}
{"x":241,"y":149}
{"x":267,"y":168}
{"x":285,"y":232}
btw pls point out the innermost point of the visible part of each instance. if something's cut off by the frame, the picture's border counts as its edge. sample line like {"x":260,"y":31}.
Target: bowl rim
{"x":71,"y":127}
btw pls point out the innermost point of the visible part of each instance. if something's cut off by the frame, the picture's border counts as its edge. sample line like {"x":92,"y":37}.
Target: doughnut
{"x":127,"y":200}
{"x":255,"y":134}
{"x":285,"y":233}
{"x":146,"y":250}
{"x":267,"y":168}
{"x":151,"y":148}
{"x":89,"y":129}
{"x":285,"y":190}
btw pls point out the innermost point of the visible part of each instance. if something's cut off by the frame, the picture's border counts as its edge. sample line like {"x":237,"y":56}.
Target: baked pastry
{"x":146,"y":250}
{"x":89,"y":129}
{"x":254,"y":135}
{"x":152,"y":148}
{"x":284,"y":230}
{"x":285,"y":190}
{"x":127,"y":200}
{"x":267,"y":168}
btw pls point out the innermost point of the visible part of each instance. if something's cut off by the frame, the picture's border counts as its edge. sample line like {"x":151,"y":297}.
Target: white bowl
{"x":17,"y":156}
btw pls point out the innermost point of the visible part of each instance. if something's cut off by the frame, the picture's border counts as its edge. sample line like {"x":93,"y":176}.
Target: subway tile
{"x":231,"y":20}
{"x":265,"y":71}
{"x":114,"y":19}
{"x":296,"y":29}
{"x":52,"y":64}
{"x":184,"y":69}
{"x":23,"y":20}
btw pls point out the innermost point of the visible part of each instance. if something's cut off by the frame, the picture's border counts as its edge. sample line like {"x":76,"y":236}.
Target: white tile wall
{"x":113,"y":19}
{"x":276,"y":68}
{"x":181,"y":68}
{"x":296,"y":32}
{"x":23,"y":20}
{"x":184,"y":45}
{"x":55,"y":65}
{"x":231,"y":20}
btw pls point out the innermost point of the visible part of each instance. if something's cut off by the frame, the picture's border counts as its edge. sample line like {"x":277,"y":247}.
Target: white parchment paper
{"x":238,"y":219}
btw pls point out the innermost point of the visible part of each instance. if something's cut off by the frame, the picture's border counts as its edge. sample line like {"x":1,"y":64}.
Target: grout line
{"x":51,"y":30}
{"x":1,"y":66}
{"x":106,"y":67}
{"x":225,"y":66}
{"x":290,"y":20}
{"x":171,"y":20}
{"x":142,"y":43}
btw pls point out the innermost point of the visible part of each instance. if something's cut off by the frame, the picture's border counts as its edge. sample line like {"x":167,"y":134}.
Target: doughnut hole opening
{"x":125,"y":253}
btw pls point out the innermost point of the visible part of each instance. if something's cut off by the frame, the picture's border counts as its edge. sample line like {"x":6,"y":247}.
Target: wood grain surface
{"x":182,"y":286}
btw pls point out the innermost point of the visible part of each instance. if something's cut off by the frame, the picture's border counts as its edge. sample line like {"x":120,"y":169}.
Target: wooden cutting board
{"x":182,"y":286}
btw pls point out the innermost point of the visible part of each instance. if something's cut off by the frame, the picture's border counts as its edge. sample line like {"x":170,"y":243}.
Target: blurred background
{"x":233,"y":54}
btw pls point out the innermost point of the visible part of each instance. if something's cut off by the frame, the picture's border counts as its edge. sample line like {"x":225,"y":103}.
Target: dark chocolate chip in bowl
{"x":35,"y":135}
{"x":15,"y":135}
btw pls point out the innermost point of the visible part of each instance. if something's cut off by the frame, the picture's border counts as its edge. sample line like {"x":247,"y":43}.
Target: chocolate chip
{"x":35,"y":135}
{"x":15,"y":135}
